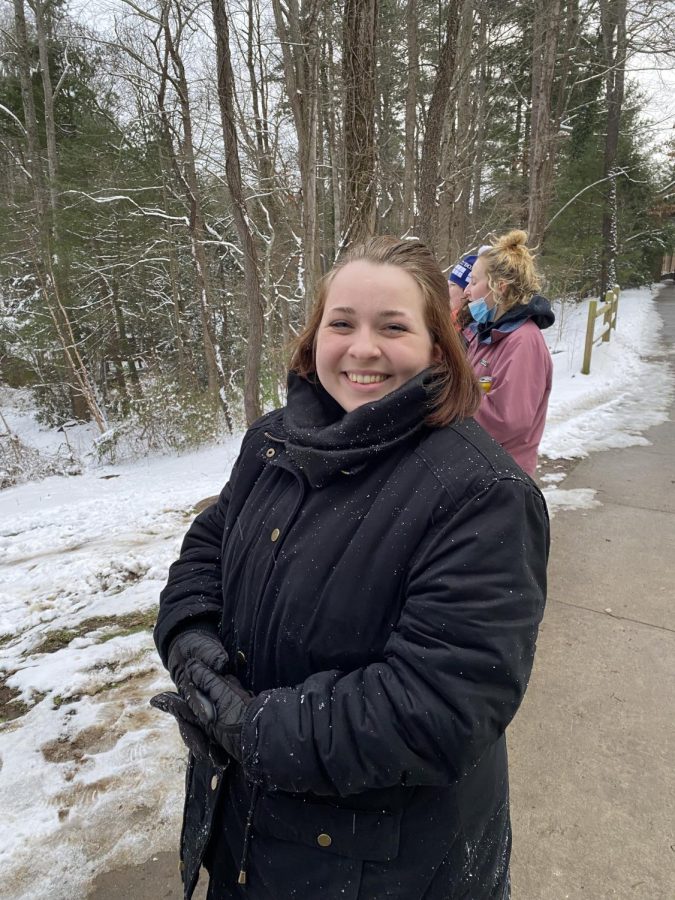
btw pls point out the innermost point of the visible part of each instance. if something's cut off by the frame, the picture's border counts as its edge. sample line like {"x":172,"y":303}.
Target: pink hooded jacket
{"x":513,"y":412}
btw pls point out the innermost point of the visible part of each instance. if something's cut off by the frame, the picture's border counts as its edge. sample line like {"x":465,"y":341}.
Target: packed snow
{"x":90,"y":776}
{"x":629,"y":389}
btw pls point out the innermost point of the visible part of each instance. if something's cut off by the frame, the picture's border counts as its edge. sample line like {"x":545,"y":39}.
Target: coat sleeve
{"x":194,"y":587}
{"x":193,"y":590}
{"x":454,"y":669}
{"x":521,"y":376}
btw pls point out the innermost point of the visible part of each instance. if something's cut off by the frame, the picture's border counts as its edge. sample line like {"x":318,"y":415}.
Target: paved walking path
{"x":593,"y":747}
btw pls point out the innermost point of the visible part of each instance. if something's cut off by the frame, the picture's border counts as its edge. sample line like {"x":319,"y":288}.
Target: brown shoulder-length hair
{"x":456,"y":394}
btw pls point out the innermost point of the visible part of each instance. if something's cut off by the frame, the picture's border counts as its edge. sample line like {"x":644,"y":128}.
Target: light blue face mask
{"x":481,"y":312}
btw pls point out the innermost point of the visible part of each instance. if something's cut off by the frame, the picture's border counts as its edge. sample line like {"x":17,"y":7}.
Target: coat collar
{"x":324,"y":441}
{"x":537,"y":310}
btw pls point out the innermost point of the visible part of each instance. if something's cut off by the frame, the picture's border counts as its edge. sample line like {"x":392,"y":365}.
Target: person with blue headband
{"x":458,"y":283}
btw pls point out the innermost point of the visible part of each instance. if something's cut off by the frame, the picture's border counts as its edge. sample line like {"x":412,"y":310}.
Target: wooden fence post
{"x":590,"y":329}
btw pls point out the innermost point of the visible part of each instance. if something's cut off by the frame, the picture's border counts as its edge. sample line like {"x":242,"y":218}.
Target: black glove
{"x":191,"y":730}
{"x":229,"y":701}
{"x":195,"y":643}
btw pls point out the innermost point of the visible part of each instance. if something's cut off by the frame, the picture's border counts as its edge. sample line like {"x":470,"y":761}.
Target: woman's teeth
{"x":366,"y":379}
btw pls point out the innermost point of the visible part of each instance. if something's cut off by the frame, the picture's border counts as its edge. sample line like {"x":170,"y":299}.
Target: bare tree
{"x":410,"y":160}
{"x":358,"y":73}
{"x":168,"y":50}
{"x":330,"y":89}
{"x":613,"y":23}
{"x":433,"y":133}
{"x":81,"y":386}
{"x":297,"y":27}
{"x":458,"y":151}
{"x":543,"y":125}
{"x":240,"y":212}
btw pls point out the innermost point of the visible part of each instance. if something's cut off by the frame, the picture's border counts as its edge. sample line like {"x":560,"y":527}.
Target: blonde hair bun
{"x":512,"y":240}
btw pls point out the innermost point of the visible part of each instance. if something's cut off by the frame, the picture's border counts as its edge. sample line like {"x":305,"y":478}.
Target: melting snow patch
{"x":577,"y":498}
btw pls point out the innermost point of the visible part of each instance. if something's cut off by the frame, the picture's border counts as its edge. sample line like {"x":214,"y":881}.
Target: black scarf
{"x":324,"y":441}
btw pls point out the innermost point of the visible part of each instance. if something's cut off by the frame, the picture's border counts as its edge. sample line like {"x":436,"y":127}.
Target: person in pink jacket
{"x":506,"y":348}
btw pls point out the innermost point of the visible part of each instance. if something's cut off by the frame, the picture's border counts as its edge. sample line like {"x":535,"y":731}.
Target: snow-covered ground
{"x":90,"y":776}
{"x":629,"y":389}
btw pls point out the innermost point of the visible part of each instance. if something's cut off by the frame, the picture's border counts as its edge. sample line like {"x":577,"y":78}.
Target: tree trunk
{"x":186,"y":372}
{"x":190,"y":182}
{"x":240,"y":213}
{"x":479,"y":118}
{"x":298,"y":32}
{"x":431,"y":150}
{"x":30,"y":116}
{"x":50,"y":125}
{"x":81,"y":388}
{"x":613,"y":19}
{"x":543,"y":126}
{"x":459,"y":152}
{"x":358,"y":68}
{"x":334,"y":154}
{"x":410,"y":165}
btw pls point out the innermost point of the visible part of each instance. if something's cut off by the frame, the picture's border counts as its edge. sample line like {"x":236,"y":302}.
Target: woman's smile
{"x":366,"y":378}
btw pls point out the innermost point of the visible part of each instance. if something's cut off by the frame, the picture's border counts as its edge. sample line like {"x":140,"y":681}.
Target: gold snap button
{"x":214,"y":782}
{"x":241,"y":657}
{"x":275,"y":535}
{"x":270,"y":452}
{"x":324,"y":840}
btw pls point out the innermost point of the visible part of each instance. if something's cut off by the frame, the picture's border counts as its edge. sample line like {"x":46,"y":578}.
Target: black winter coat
{"x":378,"y":585}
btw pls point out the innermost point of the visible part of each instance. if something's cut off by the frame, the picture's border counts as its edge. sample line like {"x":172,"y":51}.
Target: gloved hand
{"x":195,"y":643}
{"x":194,"y":736}
{"x":229,"y":700}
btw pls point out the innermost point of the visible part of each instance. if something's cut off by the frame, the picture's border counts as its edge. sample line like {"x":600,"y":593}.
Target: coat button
{"x":270,"y":452}
{"x":324,"y":840}
{"x":240,"y":657}
{"x":275,"y":535}
{"x":214,"y":782}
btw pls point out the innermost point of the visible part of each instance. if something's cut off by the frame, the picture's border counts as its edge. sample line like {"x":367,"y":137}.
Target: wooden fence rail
{"x":609,"y":311}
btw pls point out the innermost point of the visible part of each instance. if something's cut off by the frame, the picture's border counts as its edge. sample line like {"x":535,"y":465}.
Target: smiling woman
{"x":373,"y":336}
{"x":351,"y":626}
{"x":380,"y":318}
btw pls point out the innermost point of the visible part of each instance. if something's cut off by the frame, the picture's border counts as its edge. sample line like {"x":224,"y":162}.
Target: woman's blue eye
{"x":340,"y":323}
{"x":395,"y":326}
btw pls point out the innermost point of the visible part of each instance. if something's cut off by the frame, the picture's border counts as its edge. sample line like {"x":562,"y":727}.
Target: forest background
{"x":175,"y":180}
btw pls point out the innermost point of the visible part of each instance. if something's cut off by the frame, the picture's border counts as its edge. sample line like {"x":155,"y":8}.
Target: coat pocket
{"x":357,"y":834}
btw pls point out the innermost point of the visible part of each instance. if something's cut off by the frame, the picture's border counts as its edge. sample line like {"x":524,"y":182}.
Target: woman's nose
{"x":364,"y":345}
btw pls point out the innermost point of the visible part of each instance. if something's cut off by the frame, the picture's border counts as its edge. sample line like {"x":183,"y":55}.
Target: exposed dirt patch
{"x":115,"y":626}
{"x":113,"y":685}
{"x":95,"y":739}
{"x":10,"y":706}
{"x":202,"y":505}
{"x":81,"y":794}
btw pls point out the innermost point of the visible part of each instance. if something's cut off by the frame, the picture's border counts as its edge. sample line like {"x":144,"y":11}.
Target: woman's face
{"x":478,"y":284}
{"x":373,"y":335}
{"x":457,"y":294}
